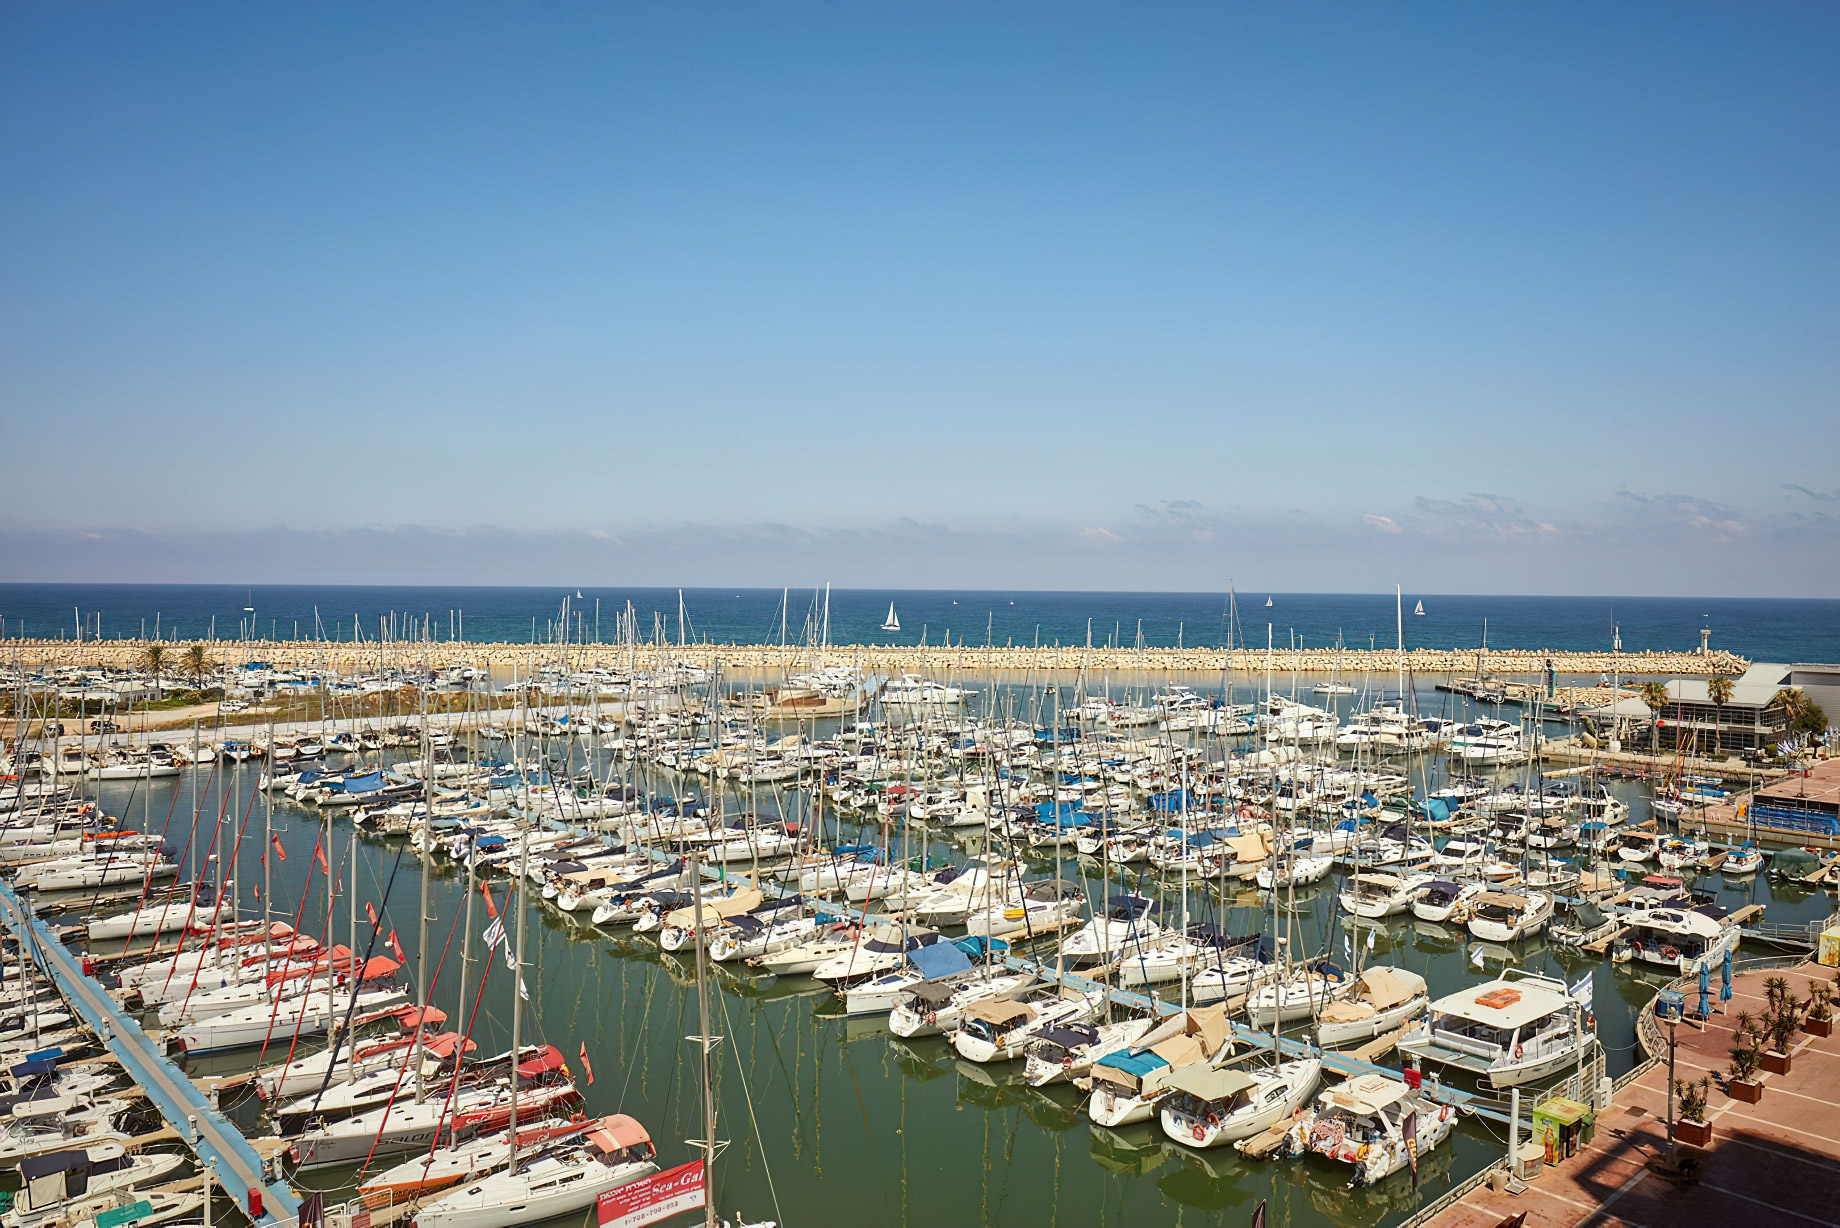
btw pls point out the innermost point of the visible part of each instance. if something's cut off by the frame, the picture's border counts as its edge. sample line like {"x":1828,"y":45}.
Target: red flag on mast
{"x":587,"y":1066}
{"x":485,"y":889}
{"x":397,"y":947}
{"x":370,"y":910}
{"x":279,"y":851}
{"x":319,"y":855}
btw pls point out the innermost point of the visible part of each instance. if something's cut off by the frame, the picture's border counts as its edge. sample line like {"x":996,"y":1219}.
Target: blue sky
{"x":1487,"y":297}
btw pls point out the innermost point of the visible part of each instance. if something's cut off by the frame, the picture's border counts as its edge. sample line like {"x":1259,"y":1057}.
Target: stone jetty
{"x":960,"y":660}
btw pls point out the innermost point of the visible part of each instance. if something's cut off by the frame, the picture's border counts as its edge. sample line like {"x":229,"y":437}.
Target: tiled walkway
{"x":1776,"y":1162}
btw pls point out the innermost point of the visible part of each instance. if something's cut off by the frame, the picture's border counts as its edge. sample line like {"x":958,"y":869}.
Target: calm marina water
{"x":832,"y":1121}
{"x":1774,"y":629}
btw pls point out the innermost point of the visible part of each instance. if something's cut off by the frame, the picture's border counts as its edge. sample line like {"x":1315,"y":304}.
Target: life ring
{"x":1213,"y":1119}
{"x":932,"y":1017}
{"x":1197,"y":1132}
{"x":1670,"y":953}
{"x":1066,"y":1061}
{"x":1635,"y":948}
{"x":1517,"y":1051}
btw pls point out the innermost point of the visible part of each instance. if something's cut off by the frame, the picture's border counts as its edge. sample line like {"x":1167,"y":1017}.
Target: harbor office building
{"x":1752,"y":719}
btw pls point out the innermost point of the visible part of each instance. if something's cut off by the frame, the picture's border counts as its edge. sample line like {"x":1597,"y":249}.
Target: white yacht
{"x":1378,"y":896}
{"x":563,"y":1180}
{"x":1208,"y":1106}
{"x":1509,"y":916}
{"x":1509,"y":1031}
{"x":913,"y":691}
{"x":1128,"y":922}
{"x":1676,"y":938}
{"x":1362,"y":1123}
{"x":1383,"y":998}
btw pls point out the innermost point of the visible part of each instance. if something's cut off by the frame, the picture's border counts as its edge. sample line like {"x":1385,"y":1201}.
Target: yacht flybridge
{"x":1509,"y":1031}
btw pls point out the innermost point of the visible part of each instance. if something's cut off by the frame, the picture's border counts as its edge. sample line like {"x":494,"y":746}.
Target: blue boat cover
{"x":1137,"y":1065}
{"x":939,"y":960}
{"x":977,"y":946}
{"x":1064,"y":815}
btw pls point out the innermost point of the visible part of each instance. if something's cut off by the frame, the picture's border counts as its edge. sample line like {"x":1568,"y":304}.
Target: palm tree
{"x":197,"y":664}
{"x":1718,"y":690}
{"x":1805,"y":715}
{"x":153,"y":659}
{"x":1655,"y":696}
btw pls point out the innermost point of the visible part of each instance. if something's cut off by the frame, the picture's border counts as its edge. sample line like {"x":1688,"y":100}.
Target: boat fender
{"x":1590,"y":1021}
{"x":1443,"y":1112}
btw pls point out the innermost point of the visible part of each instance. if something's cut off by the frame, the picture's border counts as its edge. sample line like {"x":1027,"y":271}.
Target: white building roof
{"x":1521,"y":1002}
{"x":1754,"y":688}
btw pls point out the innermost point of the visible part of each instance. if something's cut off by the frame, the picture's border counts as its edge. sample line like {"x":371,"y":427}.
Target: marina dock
{"x":233,"y":1161}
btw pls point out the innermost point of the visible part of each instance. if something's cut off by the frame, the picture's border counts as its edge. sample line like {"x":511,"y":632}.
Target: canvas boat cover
{"x":941,"y":959}
{"x":1209,"y":1083}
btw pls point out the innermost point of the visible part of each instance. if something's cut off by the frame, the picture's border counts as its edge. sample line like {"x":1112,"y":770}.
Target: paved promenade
{"x":1774,"y":1163}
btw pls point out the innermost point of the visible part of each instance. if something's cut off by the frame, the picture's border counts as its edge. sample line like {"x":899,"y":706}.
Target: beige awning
{"x":998,"y":1013}
{"x":713,"y":911}
{"x":1209,"y":1082}
{"x":1385,"y":988}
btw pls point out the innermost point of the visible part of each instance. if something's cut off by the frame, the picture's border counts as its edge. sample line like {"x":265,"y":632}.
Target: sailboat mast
{"x":421,"y":942}
{"x":517,"y":990}
{"x":703,"y":1040}
{"x":1399,"y":654}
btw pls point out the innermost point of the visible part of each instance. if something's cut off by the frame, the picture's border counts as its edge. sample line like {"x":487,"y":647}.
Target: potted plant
{"x":1820,"y":1019}
{"x":1742,"y":1081}
{"x":1691,"y":1126}
{"x":1782,"y":1018}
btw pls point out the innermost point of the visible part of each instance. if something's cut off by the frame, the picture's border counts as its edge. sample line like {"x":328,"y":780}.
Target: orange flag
{"x":370,"y":910}
{"x":319,"y":854}
{"x":279,"y":851}
{"x":587,"y":1066}
{"x":397,"y":947}
{"x":485,"y":889}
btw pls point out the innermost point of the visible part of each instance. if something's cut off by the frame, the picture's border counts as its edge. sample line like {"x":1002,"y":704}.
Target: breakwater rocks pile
{"x":958,"y":659}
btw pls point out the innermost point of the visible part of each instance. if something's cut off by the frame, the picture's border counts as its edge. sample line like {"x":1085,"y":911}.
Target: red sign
{"x":650,"y":1199}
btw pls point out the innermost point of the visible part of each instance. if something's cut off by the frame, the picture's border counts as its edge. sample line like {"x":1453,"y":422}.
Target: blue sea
{"x":1772,"y":629}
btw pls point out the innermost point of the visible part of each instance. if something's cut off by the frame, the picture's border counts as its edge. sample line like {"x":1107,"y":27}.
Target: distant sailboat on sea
{"x":1268,"y":603}
{"x":891,"y":623}
{"x":1419,"y":609}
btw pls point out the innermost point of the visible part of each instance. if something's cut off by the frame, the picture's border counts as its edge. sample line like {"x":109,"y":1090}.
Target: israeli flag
{"x":495,"y":933}
{"x":1582,"y":991}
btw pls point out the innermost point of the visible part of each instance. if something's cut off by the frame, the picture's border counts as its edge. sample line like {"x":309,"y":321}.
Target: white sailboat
{"x":893,"y":621}
{"x":1419,"y":609}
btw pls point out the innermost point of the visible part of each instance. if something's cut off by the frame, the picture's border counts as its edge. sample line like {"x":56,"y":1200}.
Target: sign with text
{"x":650,"y":1199}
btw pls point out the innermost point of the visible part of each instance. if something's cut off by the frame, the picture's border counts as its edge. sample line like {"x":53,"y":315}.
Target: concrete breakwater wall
{"x":959,"y":660}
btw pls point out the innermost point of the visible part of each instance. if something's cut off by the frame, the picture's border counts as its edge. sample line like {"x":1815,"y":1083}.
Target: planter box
{"x":1750,"y":1093}
{"x":1693,"y":1133}
{"x":1818,"y":1027}
{"x":1775,"y":1063}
